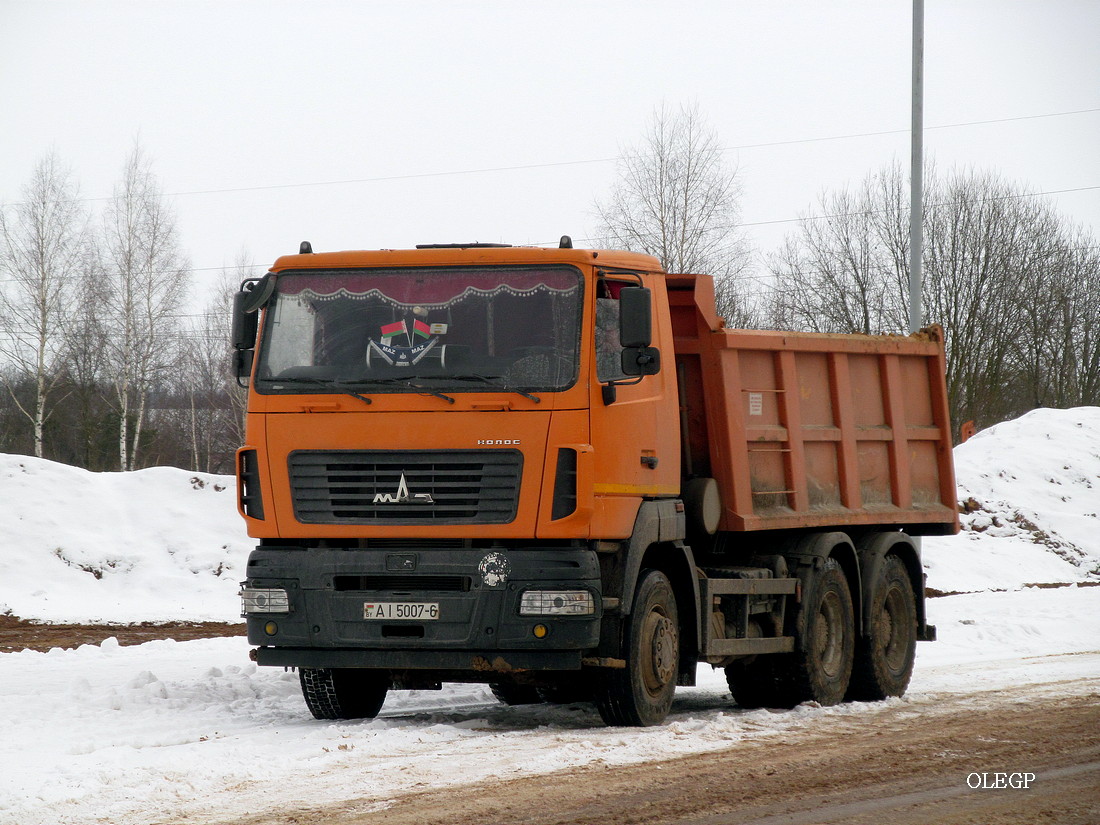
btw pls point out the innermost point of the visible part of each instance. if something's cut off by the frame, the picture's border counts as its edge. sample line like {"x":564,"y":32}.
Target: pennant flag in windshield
{"x":390,"y":330}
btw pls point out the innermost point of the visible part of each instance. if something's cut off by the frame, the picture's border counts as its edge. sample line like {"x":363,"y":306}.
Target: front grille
{"x":404,"y":584}
{"x":405,"y":487}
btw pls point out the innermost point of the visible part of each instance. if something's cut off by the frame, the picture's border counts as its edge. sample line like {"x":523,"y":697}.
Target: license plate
{"x":402,"y":611}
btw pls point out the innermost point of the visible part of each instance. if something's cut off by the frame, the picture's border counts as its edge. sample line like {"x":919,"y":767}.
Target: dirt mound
{"x":19,"y":634}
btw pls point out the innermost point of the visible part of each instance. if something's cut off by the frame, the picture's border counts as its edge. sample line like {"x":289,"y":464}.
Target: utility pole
{"x":916,"y":171}
{"x":916,"y":180}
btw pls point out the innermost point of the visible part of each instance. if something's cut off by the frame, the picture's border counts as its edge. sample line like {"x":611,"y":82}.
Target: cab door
{"x":634,"y":419}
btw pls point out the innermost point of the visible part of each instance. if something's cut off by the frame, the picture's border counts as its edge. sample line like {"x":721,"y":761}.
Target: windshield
{"x":470,"y":329}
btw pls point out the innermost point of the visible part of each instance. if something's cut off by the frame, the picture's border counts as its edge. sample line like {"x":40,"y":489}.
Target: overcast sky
{"x":386,"y":124}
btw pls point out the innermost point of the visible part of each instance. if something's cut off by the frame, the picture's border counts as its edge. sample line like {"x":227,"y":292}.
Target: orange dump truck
{"x":556,"y":472}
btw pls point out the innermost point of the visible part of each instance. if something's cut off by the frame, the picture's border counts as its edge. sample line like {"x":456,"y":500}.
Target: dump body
{"x":804,"y":430}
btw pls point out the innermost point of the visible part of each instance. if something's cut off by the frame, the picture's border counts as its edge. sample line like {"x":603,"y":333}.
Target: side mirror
{"x":636,"y":332}
{"x":641,"y":361}
{"x":245,"y":323}
{"x":635,"y":314}
{"x":246,"y":320}
{"x":242,"y":363}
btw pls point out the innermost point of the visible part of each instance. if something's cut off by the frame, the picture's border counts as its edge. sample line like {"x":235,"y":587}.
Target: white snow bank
{"x":1030,"y":492}
{"x":152,"y":545}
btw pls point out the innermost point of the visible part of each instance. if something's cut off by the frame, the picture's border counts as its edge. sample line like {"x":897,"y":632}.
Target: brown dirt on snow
{"x":906,"y":766}
{"x":19,"y":634}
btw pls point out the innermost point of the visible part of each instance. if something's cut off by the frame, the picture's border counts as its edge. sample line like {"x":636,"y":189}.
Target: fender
{"x":873,"y":550}
{"x":810,"y":552}
{"x":657,"y":542}
{"x":657,"y":523}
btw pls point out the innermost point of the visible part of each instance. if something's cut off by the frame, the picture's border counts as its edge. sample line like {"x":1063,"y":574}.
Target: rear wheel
{"x":752,"y":685}
{"x":821,"y":667}
{"x":641,"y":693}
{"x":343,"y":693}
{"x":884,"y":656}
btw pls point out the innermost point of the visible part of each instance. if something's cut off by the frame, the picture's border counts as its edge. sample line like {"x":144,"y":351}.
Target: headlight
{"x":557,"y":603}
{"x":264,"y":600}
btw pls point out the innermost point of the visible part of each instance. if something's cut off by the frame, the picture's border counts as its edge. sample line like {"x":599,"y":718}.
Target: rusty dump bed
{"x":810,"y":430}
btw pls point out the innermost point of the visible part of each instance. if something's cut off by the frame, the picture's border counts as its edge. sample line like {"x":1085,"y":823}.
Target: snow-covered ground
{"x":154,"y":545}
{"x":171,"y":732}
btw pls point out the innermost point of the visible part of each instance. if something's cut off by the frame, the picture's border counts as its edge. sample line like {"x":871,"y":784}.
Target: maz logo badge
{"x":403,"y":496}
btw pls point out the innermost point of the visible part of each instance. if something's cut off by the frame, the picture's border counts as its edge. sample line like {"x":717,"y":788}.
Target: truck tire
{"x":512,"y":694}
{"x":752,"y":685}
{"x":884,"y":656}
{"x":641,"y":693}
{"x":821,"y":667}
{"x":567,"y":692}
{"x":343,"y":693}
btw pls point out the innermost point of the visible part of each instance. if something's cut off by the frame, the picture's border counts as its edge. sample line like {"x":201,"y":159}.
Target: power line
{"x":731,"y":226}
{"x":1019,"y":196}
{"x":559,"y":164}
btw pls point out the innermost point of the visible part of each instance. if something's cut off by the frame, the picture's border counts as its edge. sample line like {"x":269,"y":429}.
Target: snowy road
{"x":174,"y":732}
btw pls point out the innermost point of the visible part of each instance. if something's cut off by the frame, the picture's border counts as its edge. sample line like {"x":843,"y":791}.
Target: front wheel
{"x":343,"y":693}
{"x":641,"y":693}
{"x":512,"y":694}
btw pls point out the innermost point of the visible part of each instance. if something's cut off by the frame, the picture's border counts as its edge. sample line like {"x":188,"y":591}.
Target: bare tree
{"x":86,"y":355}
{"x":1014,"y":289}
{"x":1084,"y":275}
{"x":146,"y":283}
{"x":42,"y":254}
{"x":847,"y":268}
{"x":677,"y":200}
{"x":215,"y":403}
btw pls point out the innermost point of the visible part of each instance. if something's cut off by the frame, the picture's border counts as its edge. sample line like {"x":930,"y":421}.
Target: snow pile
{"x":154,"y":545}
{"x":164,"y":544}
{"x":1029,"y":492}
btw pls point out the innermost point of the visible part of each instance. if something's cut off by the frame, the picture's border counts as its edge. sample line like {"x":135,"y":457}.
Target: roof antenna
{"x":306,"y":248}
{"x":565,"y":243}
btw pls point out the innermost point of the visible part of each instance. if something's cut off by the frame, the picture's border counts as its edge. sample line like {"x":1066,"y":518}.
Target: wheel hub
{"x":828,"y":635}
{"x":662,"y":654}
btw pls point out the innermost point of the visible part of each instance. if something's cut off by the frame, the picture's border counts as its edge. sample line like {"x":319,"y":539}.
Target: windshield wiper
{"x":327,"y":382}
{"x":488,"y":379}
{"x":407,"y":380}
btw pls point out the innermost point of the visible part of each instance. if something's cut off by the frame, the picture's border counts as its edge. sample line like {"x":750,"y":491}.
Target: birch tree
{"x":146,"y":283}
{"x":677,"y":200}
{"x":215,"y":403}
{"x":846,"y":269}
{"x":42,"y":251}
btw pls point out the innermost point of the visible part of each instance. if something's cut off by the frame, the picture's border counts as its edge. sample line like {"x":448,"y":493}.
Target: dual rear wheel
{"x":884,"y":655}
{"x":830,"y":664}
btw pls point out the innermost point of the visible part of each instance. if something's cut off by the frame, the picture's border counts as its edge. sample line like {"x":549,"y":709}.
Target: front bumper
{"x":478,"y":593}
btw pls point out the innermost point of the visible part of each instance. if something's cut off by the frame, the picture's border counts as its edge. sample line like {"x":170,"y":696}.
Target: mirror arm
{"x":610,"y":392}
